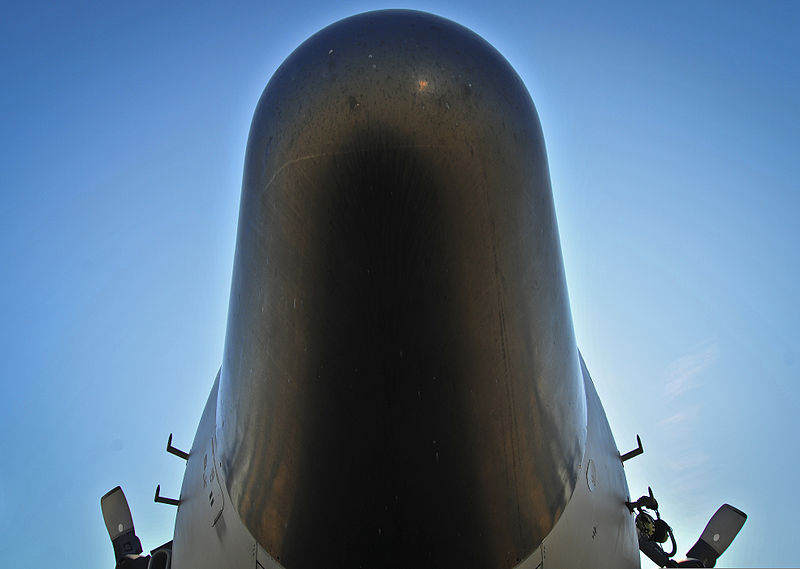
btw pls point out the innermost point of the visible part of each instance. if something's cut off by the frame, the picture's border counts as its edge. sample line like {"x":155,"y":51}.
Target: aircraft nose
{"x":400,"y":384}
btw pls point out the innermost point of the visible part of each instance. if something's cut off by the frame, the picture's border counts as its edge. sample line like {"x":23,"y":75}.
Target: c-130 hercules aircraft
{"x":400,"y":384}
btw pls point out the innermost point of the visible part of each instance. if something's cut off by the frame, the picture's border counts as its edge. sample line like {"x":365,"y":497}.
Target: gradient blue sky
{"x":672,"y":133}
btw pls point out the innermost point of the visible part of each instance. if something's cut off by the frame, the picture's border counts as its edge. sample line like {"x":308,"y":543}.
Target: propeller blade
{"x":720,"y":531}
{"x":119,"y":523}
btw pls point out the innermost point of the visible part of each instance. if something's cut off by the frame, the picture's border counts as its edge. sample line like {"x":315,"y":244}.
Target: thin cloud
{"x":682,"y":374}
{"x":689,"y":463}
{"x":680,"y":418}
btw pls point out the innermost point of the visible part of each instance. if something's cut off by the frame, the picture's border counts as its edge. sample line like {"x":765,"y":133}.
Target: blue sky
{"x":672,"y":134}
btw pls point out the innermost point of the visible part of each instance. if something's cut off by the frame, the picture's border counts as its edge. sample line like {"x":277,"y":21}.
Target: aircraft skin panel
{"x":596,"y":530}
{"x":209,"y":534}
{"x":205,"y":537}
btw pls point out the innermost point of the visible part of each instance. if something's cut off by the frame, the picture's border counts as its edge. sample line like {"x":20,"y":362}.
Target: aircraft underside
{"x":400,"y":384}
